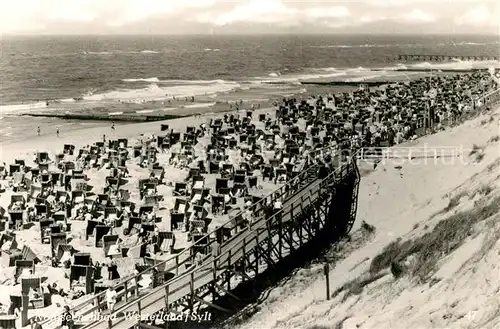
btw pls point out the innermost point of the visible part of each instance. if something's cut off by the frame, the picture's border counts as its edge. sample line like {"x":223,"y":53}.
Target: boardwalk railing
{"x":184,"y":288}
{"x":127,"y":289}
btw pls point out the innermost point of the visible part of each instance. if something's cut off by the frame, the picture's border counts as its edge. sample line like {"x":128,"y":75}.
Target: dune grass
{"x":428,"y":249}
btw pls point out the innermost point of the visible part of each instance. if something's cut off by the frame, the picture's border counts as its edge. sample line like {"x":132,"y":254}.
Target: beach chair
{"x":31,"y":287}
{"x":193,"y":172}
{"x":197,"y":226}
{"x":90,"y":229}
{"x":177,"y":221}
{"x":81,"y":278}
{"x":100,"y":231}
{"x":55,"y":240}
{"x":175,"y":137}
{"x":220,"y":183}
{"x":64,"y":252}
{"x":103,"y":201}
{"x":107,"y":242}
{"x":158,"y":172}
{"x":8,"y":242}
{"x":213,"y":167}
{"x":68,"y":149}
{"x":218,"y":205}
{"x":29,"y":255}
{"x":60,"y":219}
{"x":82,"y":258}
{"x":134,"y":225}
{"x":180,"y":189}
{"x":166,"y":241}
{"x":45,"y":230}
{"x":42,"y":157}
{"x":78,"y":184}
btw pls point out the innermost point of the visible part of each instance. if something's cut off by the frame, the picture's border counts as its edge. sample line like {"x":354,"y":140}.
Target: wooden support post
{"x":136,"y":289}
{"x":244,"y":258}
{"x":191,"y":286}
{"x":177,"y":265}
{"x":327,"y":278}
{"x":167,"y":292}
{"x":280,"y":236}
{"x":228,"y":268}
{"x":256,"y":251}
{"x":301,"y":235}
{"x":126,"y":291}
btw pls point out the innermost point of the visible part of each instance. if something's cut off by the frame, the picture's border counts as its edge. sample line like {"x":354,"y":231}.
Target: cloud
{"x":162,"y":16}
{"x":138,"y":10}
{"x":417,"y":16}
{"x":273,"y":11}
{"x":480,"y":16}
{"x":19,"y":15}
{"x":327,"y":12}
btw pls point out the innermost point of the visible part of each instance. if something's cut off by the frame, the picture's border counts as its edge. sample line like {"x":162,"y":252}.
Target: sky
{"x":249,"y":16}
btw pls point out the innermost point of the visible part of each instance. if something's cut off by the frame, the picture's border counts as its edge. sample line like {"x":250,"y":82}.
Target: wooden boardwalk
{"x":270,"y":238}
{"x":254,"y":249}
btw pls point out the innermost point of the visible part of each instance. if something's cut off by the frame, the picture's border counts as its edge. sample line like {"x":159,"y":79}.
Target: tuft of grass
{"x":485,"y":190}
{"x":475,"y":149}
{"x":428,"y":249}
{"x":494,"y":139}
{"x":454,"y":202}
{"x":397,"y":270}
{"x":356,"y":286}
{"x":479,"y":157}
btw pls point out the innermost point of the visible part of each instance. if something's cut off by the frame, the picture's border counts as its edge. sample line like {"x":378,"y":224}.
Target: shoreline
{"x":10,"y":150}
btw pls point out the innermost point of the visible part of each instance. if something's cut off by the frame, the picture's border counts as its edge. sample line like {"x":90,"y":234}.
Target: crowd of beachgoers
{"x":119,"y":203}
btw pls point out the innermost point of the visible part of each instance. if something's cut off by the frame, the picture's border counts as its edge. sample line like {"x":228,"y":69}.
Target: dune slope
{"x":437,"y":230}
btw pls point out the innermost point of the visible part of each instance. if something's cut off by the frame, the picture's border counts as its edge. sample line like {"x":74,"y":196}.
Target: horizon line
{"x":249,"y":34}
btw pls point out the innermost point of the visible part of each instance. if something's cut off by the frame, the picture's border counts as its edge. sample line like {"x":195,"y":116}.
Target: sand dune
{"x":407,"y":200}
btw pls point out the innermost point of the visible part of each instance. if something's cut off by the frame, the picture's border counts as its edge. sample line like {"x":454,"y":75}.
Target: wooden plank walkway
{"x":204,"y":274}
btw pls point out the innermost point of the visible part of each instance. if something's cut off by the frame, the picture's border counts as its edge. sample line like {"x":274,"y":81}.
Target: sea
{"x":133,"y":69}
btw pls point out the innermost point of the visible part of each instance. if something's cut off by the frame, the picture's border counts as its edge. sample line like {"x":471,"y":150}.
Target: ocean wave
{"x":456,"y":64}
{"x":144,"y":111}
{"x":115,"y":113}
{"x":97,"y":53}
{"x":198,"y":105}
{"x":154,"y":79}
{"x":16,"y":108}
{"x":466,"y":43}
{"x":196,"y":82}
{"x":274,"y":74}
{"x":146,"y":51}
{"x":210,"y":49}
{"x":155,"y":92}
{"x":357,"y":46}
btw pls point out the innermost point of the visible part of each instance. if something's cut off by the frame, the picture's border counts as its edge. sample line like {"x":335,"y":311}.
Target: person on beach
{"x":111,"y":299}
{"x":67,"y":319}
{"x":38,"y":130}
{"x":113,"y":125}
{"x":35,"y":324}
{"x":57,"y":132}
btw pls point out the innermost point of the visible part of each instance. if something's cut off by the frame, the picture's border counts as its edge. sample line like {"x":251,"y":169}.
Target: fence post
{"x":126,"y":291}
{"x":167,"y":288}
{"x":177,"y":265}
{"x":326,"y":269}
{"x":191,"y":301}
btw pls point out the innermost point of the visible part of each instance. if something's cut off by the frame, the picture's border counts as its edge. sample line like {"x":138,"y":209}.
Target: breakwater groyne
{"x":104,"y":117}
